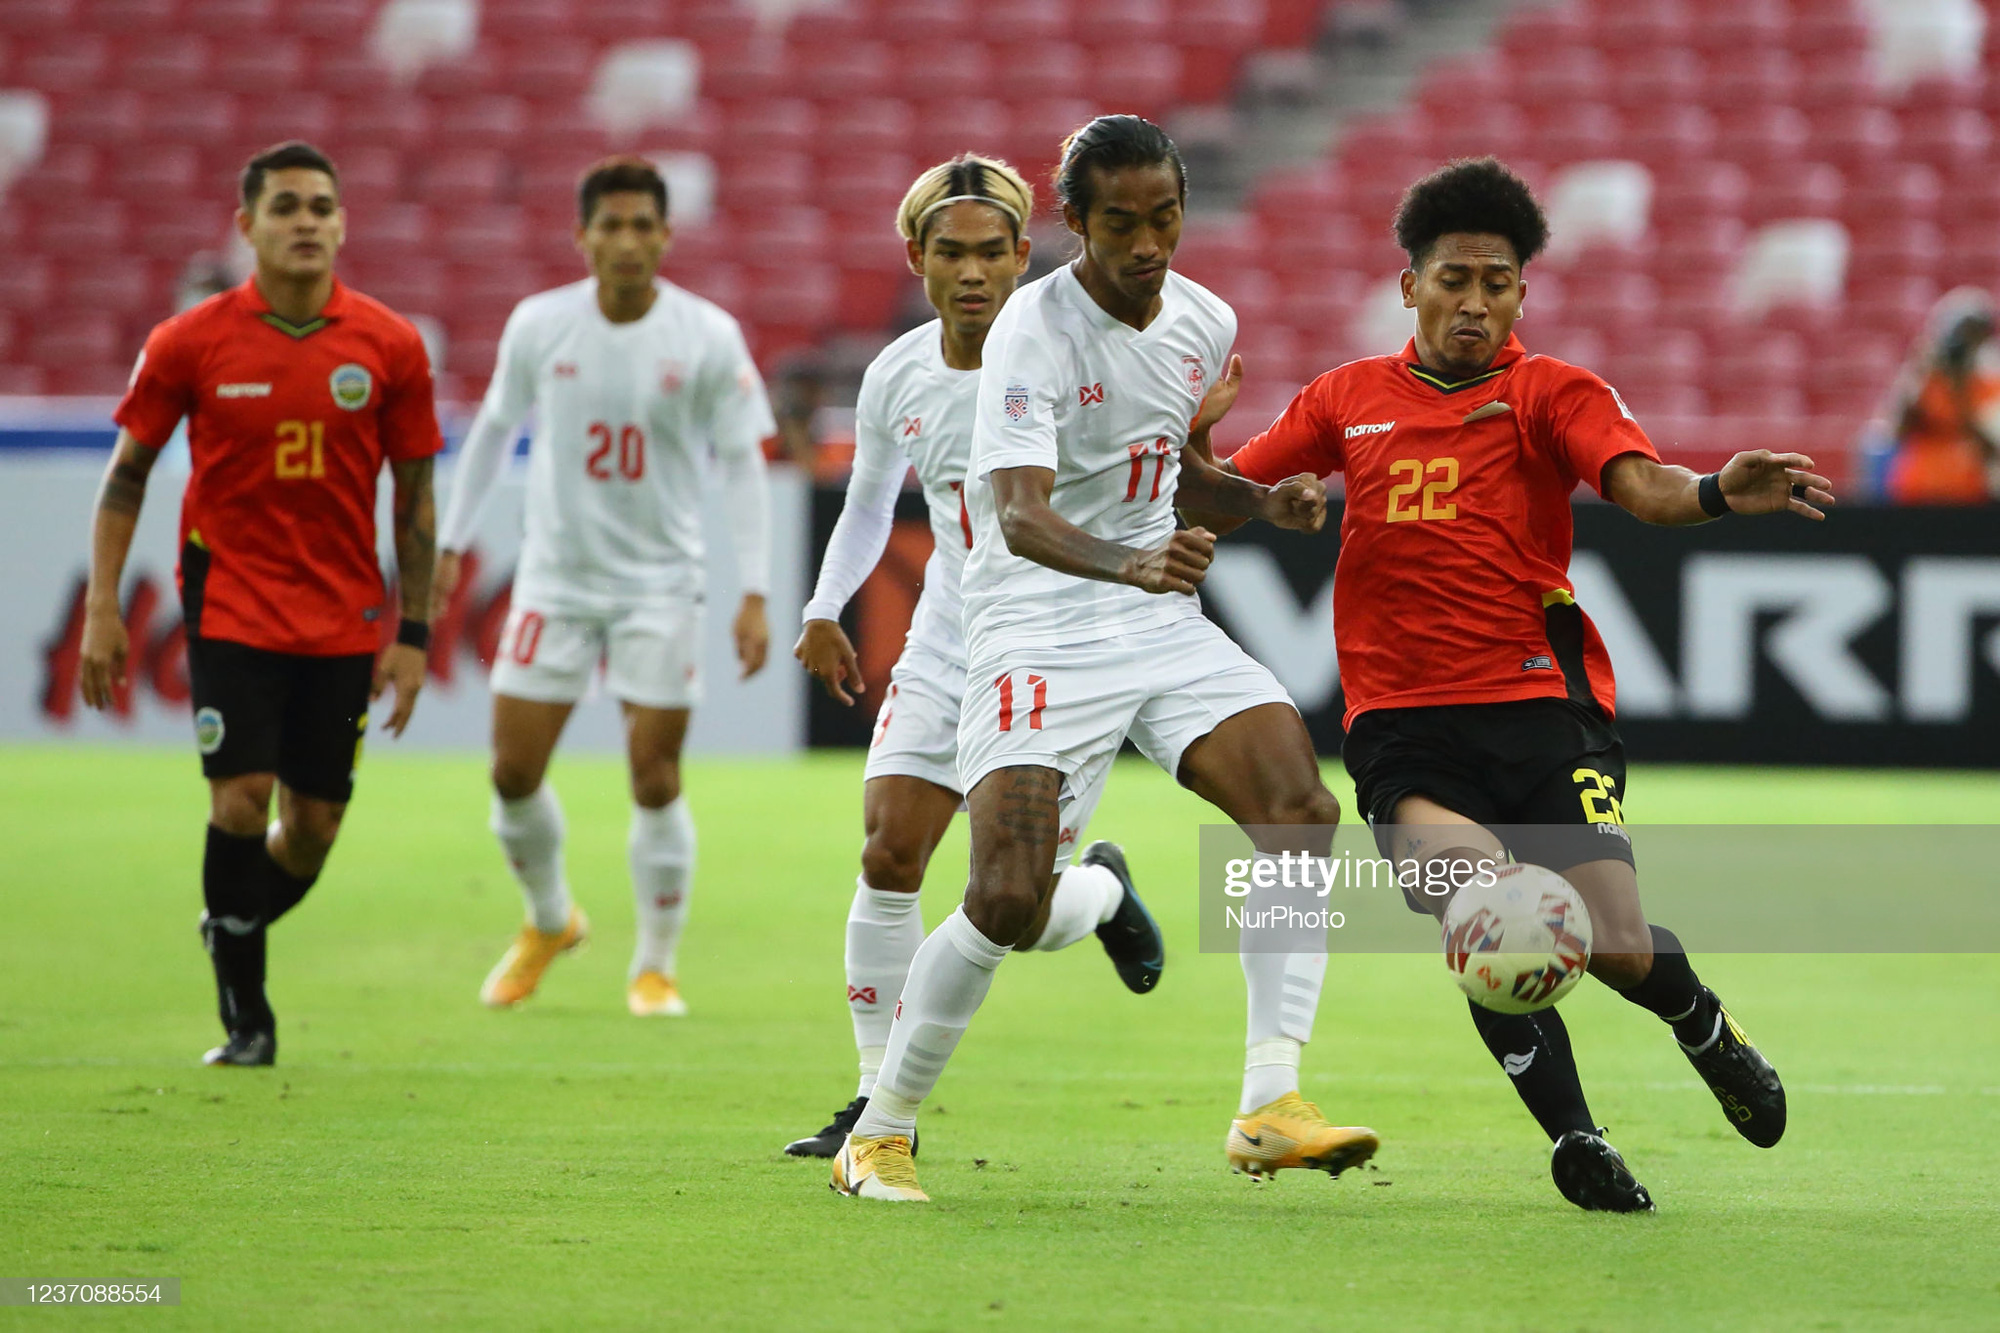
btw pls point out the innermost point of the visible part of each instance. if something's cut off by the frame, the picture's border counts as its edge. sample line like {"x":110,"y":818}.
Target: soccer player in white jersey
{"x":1081,"y":630}
{"x":633,"y":381}
{"x":962,"y":223}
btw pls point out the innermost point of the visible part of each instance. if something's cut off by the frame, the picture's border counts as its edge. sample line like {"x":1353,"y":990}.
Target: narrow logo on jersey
{"x":673,"y":376}
{"x":351,"y":385}
{"x":1373,"y":428}
{"x":1087,"y":394}
{"x":1015,"y":402}
{"x":1197,"y":374}
{"x":1538,"y":664}
{"x":242,"y":391}
{"x":1616,"y":398}
{"x":912,"y":426}
{"x":208,"y":730}
{"x":565,"y":370}
{"x":861,"y":995}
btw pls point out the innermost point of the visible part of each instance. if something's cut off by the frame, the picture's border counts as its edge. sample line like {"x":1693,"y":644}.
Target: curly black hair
{"x":1471,"y":195}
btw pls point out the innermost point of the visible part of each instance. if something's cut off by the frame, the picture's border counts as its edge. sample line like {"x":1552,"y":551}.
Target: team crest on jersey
{"x":1197,"y":375}
{"x":352,"y":385}
{"x":673,"y":376}
{"x":1015,"y":402}
{"x":208,"y":730}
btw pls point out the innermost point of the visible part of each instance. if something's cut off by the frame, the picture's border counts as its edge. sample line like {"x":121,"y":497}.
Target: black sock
{"x":282,"y":889}
{"x":1672,"y":991}
{"x":1534,"y":1050}
{"x":233,"y":891}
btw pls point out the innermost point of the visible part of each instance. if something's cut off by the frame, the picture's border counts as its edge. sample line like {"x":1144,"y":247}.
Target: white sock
{"x":884,"y":930}
{"x":949,"y":979}
{"x":531,"y":833}
{"x":1283,"y":992}
{"x":661,"y":847}
{"x":1085,"y":898}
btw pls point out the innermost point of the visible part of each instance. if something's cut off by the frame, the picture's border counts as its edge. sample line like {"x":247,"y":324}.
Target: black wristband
{"x":1709,"y":494}
{"x":414,"y":634}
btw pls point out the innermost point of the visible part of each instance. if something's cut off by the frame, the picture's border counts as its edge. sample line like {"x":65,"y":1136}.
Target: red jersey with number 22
{"x":288,"y":430}
{"x":1452,"y":585}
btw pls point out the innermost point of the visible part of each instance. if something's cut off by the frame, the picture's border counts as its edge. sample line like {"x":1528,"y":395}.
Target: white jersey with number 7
{"x":624,"y":416}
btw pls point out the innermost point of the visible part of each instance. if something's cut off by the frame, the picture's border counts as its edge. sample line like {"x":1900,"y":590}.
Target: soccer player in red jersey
{"x":296,"y":390}
{"x":1479,"y":695}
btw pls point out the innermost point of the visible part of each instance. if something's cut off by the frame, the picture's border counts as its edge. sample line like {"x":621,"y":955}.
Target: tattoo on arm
{"x":416,"y":534}
{"x":1216,"y":490}
{"x":124,"y":488}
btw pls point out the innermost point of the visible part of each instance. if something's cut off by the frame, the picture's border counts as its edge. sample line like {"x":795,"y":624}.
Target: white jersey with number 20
{"x":624,"y":415}
{"x":1106,"y":407}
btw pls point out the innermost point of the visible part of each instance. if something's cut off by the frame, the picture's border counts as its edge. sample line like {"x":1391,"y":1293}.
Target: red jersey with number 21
{"x":1452,"y":585}
{"x":288,"y":430}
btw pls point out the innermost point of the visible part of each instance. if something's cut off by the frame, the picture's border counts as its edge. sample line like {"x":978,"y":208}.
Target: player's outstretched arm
{"x":119,"y":498}
{"x":860,"y":535}
{"x":415,"y":510}
{"x":1754,"y":482}
{"x":1035,"y":531}
{"x":1205,"y":491}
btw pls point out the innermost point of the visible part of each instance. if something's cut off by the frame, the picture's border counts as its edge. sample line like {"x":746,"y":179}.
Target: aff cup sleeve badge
{"x":1015,"y":402}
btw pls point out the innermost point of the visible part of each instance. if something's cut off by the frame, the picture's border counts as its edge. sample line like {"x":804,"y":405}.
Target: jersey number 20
{"x":631,"y":446}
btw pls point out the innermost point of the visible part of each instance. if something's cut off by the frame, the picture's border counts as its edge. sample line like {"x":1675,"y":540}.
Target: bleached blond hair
{"x":967,"y":178}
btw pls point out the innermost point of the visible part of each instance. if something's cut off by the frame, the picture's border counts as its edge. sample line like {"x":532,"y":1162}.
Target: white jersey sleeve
{"x":483,"y":453}
{"x":1020,"y":387}
{"x":869,"y":512}
{"x":739,"y":421}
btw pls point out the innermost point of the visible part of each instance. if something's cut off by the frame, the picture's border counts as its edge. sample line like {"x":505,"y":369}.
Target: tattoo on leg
{"x":1024,"y":803}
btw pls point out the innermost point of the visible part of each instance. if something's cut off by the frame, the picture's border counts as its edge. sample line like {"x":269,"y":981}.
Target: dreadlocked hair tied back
{"x":965,"y":179}
{"x":1471,"y":195}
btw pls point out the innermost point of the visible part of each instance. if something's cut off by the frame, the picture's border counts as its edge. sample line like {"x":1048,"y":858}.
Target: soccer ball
{"x":1520,"y":943}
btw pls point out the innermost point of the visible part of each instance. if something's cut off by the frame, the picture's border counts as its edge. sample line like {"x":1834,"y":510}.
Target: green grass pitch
{"x":415,"y":1158}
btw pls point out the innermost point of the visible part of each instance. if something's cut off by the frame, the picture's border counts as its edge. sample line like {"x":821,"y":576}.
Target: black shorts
{"x":302,"y":718}
{"x":1546,"y":775}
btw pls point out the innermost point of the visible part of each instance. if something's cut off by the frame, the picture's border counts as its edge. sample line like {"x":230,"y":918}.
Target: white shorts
{"x":1070,"y":708}
{"x":916,"y":736}
{"x":651,"y":654}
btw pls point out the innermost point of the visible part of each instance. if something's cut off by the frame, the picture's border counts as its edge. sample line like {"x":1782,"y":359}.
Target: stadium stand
{"x":461,"y":127}
{"x":1757,"y":200}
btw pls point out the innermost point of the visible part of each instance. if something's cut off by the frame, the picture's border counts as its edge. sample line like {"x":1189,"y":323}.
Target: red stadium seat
{"x":1749,"y":76}
{"x":1758,"y":137}
{"x":39,"y":16}
{"x":764,"y":181}
{"x":945,"y":129}
{"x":1895,"y":189}
{"x":1610,"y":299}
{"x":1817,"y":36}
{"x":922,"y":77}
{"x":821,"y":32}
{"x":1139,"y":79}
{"x":370,"y":177}
{"x":553,"y":66}
{"x":1854,"y":137}
{"x":81,"y":227}
{"x":110,"y":117}
{"x":230,"y":18}
{"x":744,"y":72}
{"x":333,"y":20}
{"x":469,"y":75}
{"x":66,"y":171}
{"x":1667,"y":136}
{"x":859,"y":69}
{"x":1212,"y":35}
{"x":1629,"y":29}
{"x":192,"y":117}
{"x":267,"y":64}
{"x":1948,"y":138}
{"x":473,"y":177}
{"x":1030,"y":74}
{"x":75,"y":338}
{"x":27,"y":284}
{"x":398,"y":120}
{"x":1450,"y":85}
{"x":1212,"y":248}
{"x":1741,"y":25}
{"x":309,"y":116}
{"x":1700,"y":189}
{"x":509,"y":21}
{"x":1836,"y":79}
{"x":161,"y":174}
{"x":624,"y":20}
{"x":135,"y":16}
{"x":131,"y":288}
{"x":1301,"y":198}
{"x":865,"y":186}
{"x":794,"y":303}
{"x":495,"y":121}
{"x":927,"y":23}
{"x":1105,"y":23}
{"x":1533,"y":32}
{"x":1887,"y":303}
{"x":1898,"y":247}
{"x":75,"y":62}
{"x":1038,"y":133}
{"x":178,"y":235}
{"x":1655,"y":79}
{"x":1796,"y":190}
{"x":782,"y":125}
{"x":1026,"y":22}
{"x":1564,"y":76}
{"x":870,"y":125}
{"x":389,"y":235}
{"x":1498,"y":130}
{"x":1696,"y":250}
{"x":1581,"y":132}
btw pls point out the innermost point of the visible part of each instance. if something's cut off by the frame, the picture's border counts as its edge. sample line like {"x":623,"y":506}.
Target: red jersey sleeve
{"x":162,"y":388}
{"x":1589,"y":425}
{"x":409,"y":408}
{"x":1305,"y":438}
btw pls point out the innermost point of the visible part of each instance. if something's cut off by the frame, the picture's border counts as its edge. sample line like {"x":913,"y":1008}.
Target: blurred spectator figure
{"x":1947,"y":408}
{"x":797,"y":395}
